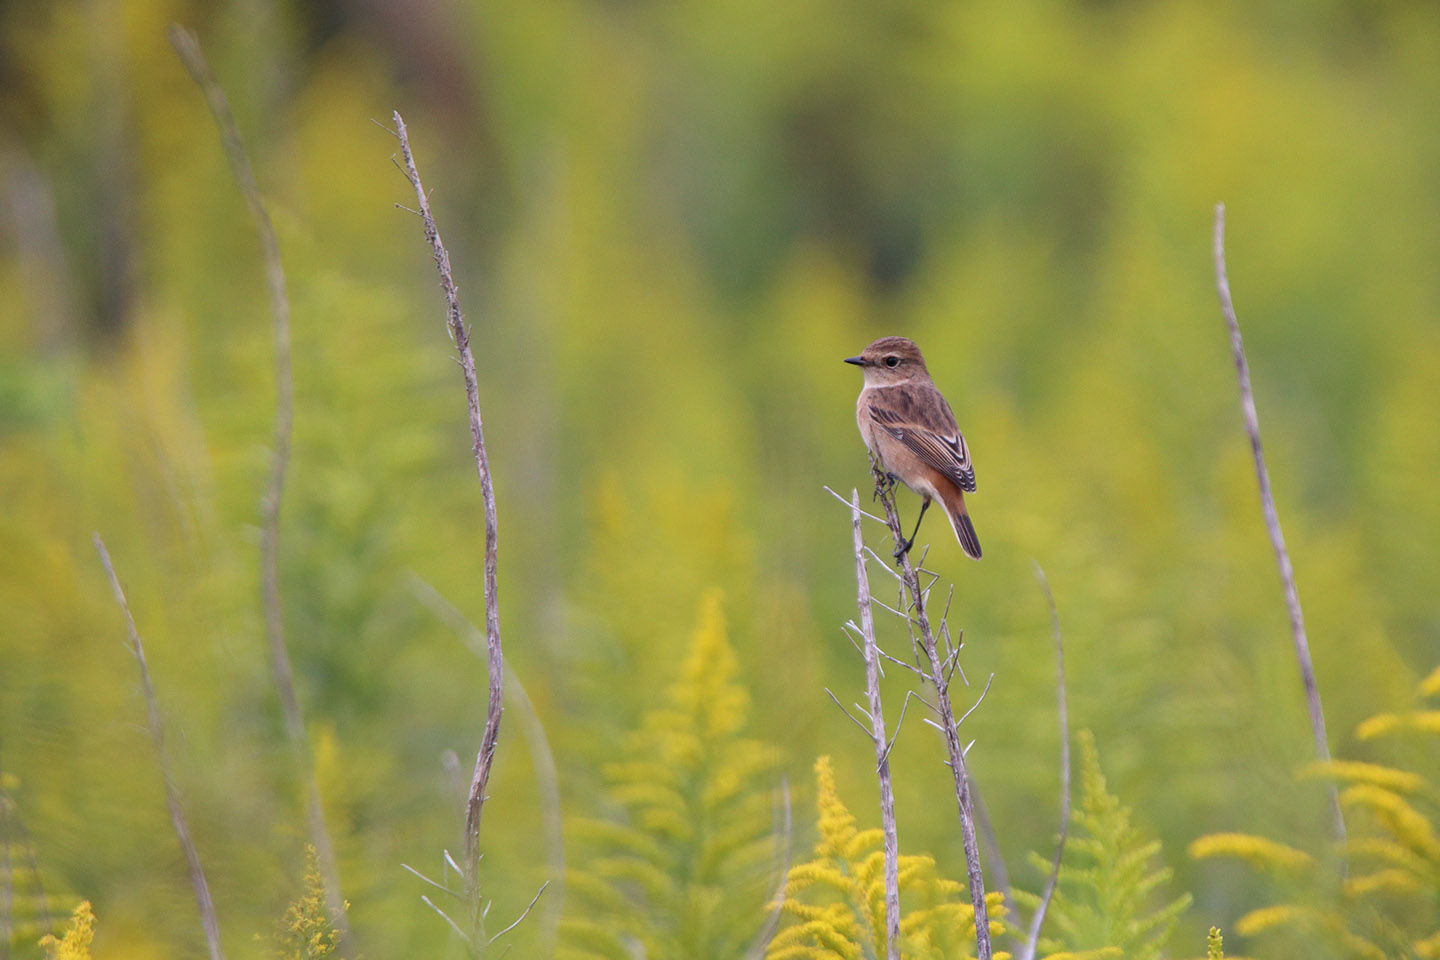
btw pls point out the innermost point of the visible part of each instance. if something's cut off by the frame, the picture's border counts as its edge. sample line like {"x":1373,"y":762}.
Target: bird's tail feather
{"x":954,"y":504}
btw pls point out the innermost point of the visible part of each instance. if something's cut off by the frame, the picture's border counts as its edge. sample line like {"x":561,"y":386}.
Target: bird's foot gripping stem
{"x":884,"y":483}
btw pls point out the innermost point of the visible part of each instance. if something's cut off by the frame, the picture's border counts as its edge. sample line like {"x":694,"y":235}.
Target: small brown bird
{"x":910,"y":428}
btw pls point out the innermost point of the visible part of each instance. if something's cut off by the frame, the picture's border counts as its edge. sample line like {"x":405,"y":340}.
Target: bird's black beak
{"x":858,"y":361}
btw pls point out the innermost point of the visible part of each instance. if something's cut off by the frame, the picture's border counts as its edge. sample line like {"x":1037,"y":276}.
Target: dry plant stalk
{"x":1272,"y":523}
{"x":999,"y":875}
{"x":162,"y":758}
{"x":785,"y":828}
{"x":547,"y":774}
{"x":187,"y":46}
{"x":495,"y":662}
{"x":1032,"y":938}
{"x":877,"y":734}
{"x":949,"y":728}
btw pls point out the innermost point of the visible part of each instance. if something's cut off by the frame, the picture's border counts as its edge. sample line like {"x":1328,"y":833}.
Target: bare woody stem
{"x":1272,"y":522}
{"x":188,"y":48}
{"x":547,"y":776}
{"x":208,"y":920}
{"x":882,"y":751}
{"x":990,"y":844}
{"x":495,"y":663}
{"x":949,"y":728}
{"x":1032,"y":938}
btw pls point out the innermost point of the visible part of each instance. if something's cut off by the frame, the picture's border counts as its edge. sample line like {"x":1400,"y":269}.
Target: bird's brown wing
{"x":921,"y":419}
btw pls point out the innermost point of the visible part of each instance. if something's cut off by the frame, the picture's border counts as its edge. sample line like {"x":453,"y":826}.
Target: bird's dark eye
{"x":892,"y":361}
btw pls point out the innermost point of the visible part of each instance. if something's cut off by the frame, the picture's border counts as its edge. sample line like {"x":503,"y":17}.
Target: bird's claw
{"x":884,"y":484}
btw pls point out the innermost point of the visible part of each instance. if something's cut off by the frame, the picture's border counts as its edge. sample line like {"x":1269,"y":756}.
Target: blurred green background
{"x":670,"y":221}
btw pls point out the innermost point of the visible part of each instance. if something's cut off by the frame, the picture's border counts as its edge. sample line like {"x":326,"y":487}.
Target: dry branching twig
{"x":918,"y":619}
{"x":877,"y":734}
{"x":1272,"y":522}
{"x":1032,"y":940}
{"x":495,"y":662}
{"x":162,"y":757}
{"x":188,"y":48}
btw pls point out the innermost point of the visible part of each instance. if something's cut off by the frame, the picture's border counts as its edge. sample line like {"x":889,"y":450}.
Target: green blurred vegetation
{"x":670,"y":222}
{"x":1107,"y":885}
{"x":683,"y":868}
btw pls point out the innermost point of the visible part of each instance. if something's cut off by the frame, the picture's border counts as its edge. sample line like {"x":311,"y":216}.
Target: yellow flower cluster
{"x":1431,"y":684}
{"x":75,"y":945}
{"x":1417,"y":721}
{"x":1259,"y":851}
{"x":307,"y":931}
{"x":1409,"y":826}
{"x":1352,"y":771}
{"x":836,"y":901}
{"x":1393,"y":850}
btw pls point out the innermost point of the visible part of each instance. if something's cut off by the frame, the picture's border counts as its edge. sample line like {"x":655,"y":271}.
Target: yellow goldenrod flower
{"x":307,"y":931}
{"x":1260,"y":851}
{"x":1381,"y":848}
{"x":1408,"y":825}
{"x":1431,"y":684}
{"x":75,"y":945}
{"x":1382,"y":881}
{"x":1419,"y":721}
{"x":1393,"y":849}
{"x":847,"y":875}
{"x":1267,"y":918}
{"x":1429,"y":948}
{"x":1402,"y":781}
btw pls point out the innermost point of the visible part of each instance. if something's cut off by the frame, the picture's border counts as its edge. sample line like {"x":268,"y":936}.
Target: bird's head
{"x":890,"y":360}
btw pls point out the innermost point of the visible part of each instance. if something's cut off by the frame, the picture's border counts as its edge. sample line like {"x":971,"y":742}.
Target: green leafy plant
{"x":836,"y":901}
{"x":682,"y":868}
{"x":1387,"y":904}
{"x":1108,"y":880}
